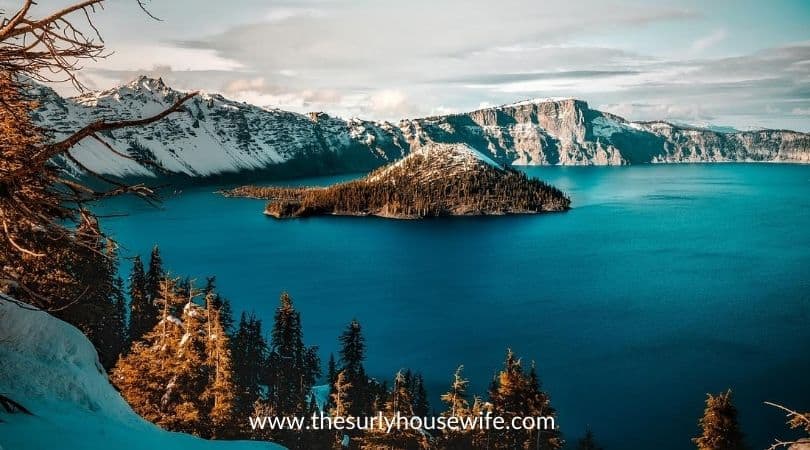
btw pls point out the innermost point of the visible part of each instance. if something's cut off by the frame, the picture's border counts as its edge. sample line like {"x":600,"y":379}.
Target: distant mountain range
{"x":217,"y":136}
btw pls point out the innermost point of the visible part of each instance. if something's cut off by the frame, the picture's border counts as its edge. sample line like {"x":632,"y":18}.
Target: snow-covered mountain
{"x":214,"y":135}
{"x":51,"y":368}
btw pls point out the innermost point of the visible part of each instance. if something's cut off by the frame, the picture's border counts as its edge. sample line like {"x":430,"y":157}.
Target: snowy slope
{"x":436,"y":161}
{"x":50,"y":368}
{"x":214,"y":135}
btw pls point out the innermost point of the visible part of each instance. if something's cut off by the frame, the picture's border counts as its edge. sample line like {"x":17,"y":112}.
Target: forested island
{"x":437,"y":180}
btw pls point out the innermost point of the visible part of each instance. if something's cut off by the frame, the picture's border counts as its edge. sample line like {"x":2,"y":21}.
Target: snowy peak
{"x":147,"y":83}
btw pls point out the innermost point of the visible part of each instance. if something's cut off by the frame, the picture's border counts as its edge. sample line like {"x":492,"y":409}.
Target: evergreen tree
{"x":514,"y":393}
{"x":540,"y":406}
{"x":293,"y":367}
{"x":143,"y":314}
{"x":399,"y":404}
{"x":332,"y":370}
{"x":93,"y":261}
{"x":118,"y":329}
{"x":421,"y":407}
{"x":184,"y":406}
{"x":221,"y":391}
{"x":352,"y":354}
{"x":341,"y":401}
{"x":331,"y":377}
{"x":110,"y":324}
{"x":720,"y":430}
{"x":145,"y":375}
{"x":457,"y":406}
{"x":378,"y":393}
{"x":155,"y":274}
{"x":223,"y":305}
{"x":249,"y":356}
{"x":179,"y":375}
{"x":588,"y":442}
{"x":292,"y":370}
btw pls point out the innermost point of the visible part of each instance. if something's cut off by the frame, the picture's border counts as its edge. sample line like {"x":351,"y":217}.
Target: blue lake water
{"x":663,"y":283}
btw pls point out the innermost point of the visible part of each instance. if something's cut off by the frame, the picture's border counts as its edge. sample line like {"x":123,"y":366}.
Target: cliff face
{"x":215,"y":135}
{"x":530,"y":133}
{"x":568,"y":132}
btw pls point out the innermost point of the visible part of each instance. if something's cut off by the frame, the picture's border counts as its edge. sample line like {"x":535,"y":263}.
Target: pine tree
{"x":145,"y":376}
{"x":720,"y":430}
{"x":421,"y":407}
{"x":185,"y":409}
{"x":179,"y":375}
{"x":457,"y":406}
{"x":220,"y":394}
{"x":155,"y":274}
{"x":399,"y":404}
{"x":540,"y":406}
{"x":249,"y":356}
{"x":514,"y":393}
{"x":143,"y":314}
{"x":332,"y":370}
{"x":341,"y":401}
{"x":331,"y":377}
{"x":588,"y":442}
{"x":118,"y":320}
{"x":293,"y":367}
{"x":94,"y":262}
{"x":352,"y":354}
{"x":223,"y":305}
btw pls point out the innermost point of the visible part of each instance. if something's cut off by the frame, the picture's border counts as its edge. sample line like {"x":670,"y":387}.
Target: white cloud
{"x":386,"y":60}
{"x":281,"y":14}
{"x":710,"y":40}
{"x":241,"y":86}
{"x":388,"y":102}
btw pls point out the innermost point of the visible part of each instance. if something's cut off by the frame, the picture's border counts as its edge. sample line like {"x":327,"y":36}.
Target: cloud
{"x":241,"y":86}
{"x":281,"y":14}
{"x":644,"y":111}
{"x":388,"y":102}
{"x":386,"y":60}
{"x":501,"y":78}
{"x":710,"y":40}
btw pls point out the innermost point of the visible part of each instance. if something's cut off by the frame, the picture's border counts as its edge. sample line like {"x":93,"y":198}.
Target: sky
{"x":740,"y":63}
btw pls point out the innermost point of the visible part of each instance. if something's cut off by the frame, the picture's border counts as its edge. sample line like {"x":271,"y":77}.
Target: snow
{"x":174,"y":320}
{"x":51,"y":368}
{"x":191,"y":309}
{"x":460,"y":153}
{"x":606,"y":127}
{"x":538,"y":101}
{"x":321,"y":393}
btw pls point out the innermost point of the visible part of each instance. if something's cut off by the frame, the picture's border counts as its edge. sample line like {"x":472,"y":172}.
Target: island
{"x":434,"y":180}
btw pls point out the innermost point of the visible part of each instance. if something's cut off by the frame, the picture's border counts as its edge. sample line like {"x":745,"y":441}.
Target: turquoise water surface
{"x":663,"y":283}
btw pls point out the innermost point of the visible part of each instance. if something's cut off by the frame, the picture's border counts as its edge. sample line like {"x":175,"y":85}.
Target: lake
{"x":661,"y":284}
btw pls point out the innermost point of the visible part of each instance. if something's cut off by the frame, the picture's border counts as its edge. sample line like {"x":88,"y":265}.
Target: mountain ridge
{"x":214,"y":136}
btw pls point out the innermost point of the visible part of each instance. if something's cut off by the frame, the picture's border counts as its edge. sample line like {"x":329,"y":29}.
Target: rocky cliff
{"x":215,"y":135}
